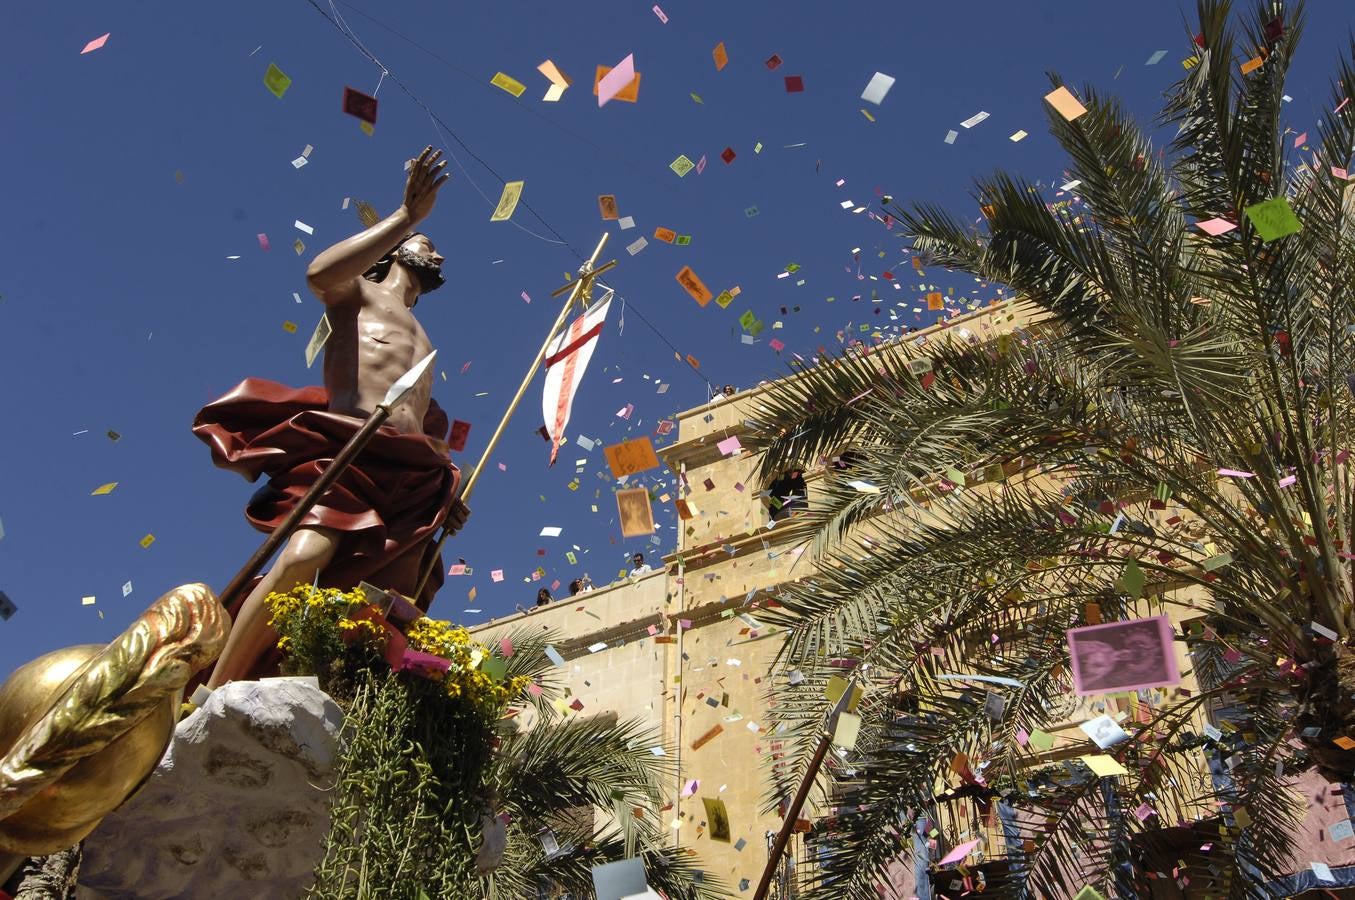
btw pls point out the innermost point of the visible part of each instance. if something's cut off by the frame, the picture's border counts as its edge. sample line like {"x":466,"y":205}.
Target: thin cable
{"x":339,"y":23}
{"x":437,"y":129}
{"x":601,"y":150}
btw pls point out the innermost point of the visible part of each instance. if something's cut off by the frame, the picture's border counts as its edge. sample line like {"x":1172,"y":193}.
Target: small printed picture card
{"x":359,"y":105}
{"x":1123,"y":656}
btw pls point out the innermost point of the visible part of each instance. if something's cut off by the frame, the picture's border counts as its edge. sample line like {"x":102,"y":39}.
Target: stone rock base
{"x":236,"y":808}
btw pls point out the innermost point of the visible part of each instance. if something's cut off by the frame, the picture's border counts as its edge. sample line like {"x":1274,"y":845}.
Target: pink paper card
{"x":422,"y":663}
{"x":729,"y":446}
{"x":95,"y":44}
{"x":958,"y":853}
{"x":1215,"y":227}
{"x":1123,"y":656}
{"x":614,"y":81}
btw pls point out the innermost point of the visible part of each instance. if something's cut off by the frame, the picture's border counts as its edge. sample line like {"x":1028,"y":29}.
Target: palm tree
{"x":545,"y":775}
{"x":413,"y":789}
{"x":1172,"y":432}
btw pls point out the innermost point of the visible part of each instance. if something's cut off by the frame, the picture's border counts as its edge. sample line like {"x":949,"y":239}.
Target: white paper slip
{"x":880,"y":83}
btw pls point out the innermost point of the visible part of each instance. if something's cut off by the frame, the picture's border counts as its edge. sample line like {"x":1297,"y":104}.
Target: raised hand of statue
{"x":421,"y":189}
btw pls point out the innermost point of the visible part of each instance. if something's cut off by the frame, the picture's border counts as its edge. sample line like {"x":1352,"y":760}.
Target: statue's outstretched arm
{"x":333,"y":274}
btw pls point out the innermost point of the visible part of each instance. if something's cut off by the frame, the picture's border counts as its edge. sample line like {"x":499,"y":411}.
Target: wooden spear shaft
{"x":585,"y":280}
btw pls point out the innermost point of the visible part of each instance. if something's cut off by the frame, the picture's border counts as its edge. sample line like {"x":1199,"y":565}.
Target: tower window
{"x":787,"y":494}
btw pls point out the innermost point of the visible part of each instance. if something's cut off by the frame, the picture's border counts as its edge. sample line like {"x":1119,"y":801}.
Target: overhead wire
{"x":342,"y":26}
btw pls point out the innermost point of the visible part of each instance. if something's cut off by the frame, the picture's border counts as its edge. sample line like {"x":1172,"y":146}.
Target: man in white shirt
{"x":641,"y":567}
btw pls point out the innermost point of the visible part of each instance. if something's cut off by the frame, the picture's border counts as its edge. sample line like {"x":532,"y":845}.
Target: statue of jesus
{"x":377,"y":521}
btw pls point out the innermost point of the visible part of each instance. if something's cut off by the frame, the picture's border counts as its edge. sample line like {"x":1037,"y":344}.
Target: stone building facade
{"x":683,"y":648}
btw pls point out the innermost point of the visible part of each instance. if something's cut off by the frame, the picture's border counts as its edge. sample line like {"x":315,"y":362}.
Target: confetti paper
{"x":359,"y":105}
{"x":99,"y":42}
{"x":1273,"y":219}
{"x":629,"y":90}
{"x":614,"y":81}
{"x":631,"y":457}
{"x":276,"y":81}
{"x":508,"y":201}
{"x":721,"y":56}
{"x":1215,"y":227}
{"x":1065,"y":103}
{"x":694,"y":286}
{"x":879,"y":86}
{"x":508,"y":83}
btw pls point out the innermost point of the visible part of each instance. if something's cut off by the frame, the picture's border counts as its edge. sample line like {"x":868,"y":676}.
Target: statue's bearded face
{"x":418,"y":255}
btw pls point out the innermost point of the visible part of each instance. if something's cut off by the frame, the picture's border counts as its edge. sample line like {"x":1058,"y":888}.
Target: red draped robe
{"x":386,"y":506}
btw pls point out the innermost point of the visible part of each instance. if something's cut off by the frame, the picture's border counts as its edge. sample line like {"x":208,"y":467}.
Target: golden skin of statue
{"x":81,"y":728}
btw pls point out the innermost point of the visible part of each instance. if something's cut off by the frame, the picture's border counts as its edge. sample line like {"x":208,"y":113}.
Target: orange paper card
{"x":667,"y":235}
{"x":630,"y":457}
{"x":1062,"y":100}
{"x":694,"y":286}
{"x":721,"y":57}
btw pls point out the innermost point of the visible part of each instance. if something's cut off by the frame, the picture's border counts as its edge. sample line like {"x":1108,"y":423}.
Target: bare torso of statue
{"x":375,"y":340}
{"x":369,"y":283}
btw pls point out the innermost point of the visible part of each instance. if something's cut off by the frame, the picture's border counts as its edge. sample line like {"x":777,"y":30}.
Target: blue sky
{"x":136,"y":170}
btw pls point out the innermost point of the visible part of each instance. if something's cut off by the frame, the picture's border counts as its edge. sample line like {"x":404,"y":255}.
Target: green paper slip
{"x":1132,"y":580}
{"x":1273,"y":219}
{"x":276,"y":81}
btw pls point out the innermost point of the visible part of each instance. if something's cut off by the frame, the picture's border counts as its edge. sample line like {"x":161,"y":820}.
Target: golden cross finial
{"x":583,"y":287}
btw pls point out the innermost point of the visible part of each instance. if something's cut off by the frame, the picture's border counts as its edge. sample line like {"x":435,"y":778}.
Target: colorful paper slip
{"x":276,"y":81}
{"x":694,"y":286}
{"x":508,"y":201}
{"x":631,"y":457}
{"x":317,"y":341}
{"x":1215,"y":227}
{"x":629,"y":91}
{"x":958,"y":853}
{"x":721,"y":56}
{"x":1273,"y":219}
{"x":95,"y":44}
{"x":1065,"y":103}
{"x":359,"y":105}
{"x":508,"y":83}
{"x":718,"y":818}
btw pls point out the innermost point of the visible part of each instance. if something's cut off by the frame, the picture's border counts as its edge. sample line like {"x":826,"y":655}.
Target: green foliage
{"x":1088,"y":446}
{"x":422,"y":767}
{"x":405,"y":797}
